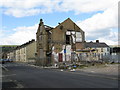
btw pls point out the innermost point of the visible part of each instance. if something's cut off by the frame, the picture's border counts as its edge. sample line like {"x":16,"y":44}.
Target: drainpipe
{"x":65,"y":47}
{"x":75,"y":39}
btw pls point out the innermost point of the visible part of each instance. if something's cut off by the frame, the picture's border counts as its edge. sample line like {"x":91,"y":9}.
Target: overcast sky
{"x":20,"y":18}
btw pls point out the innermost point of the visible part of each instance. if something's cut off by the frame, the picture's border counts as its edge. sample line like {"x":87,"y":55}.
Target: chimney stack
{"x":97,"y":41}
{"x":41,"y":22}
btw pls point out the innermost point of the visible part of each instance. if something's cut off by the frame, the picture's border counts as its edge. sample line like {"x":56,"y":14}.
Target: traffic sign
{"x":64,"y":50}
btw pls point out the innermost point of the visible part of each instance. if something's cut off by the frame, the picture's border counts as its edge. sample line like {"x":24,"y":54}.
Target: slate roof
{"x":27,"y":43}
{"x":85,"y":50}
{"x":95,"y":44}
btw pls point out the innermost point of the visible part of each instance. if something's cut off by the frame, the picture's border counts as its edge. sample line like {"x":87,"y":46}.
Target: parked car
{"x":2,"y":61}
{"x":6,"y":60}
{"x":10,"y":60}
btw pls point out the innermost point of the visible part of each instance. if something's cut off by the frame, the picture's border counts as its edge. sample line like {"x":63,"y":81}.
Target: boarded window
{"x":78,"y":37}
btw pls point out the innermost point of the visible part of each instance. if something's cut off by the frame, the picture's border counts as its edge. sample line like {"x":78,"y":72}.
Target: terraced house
{"x":94,"y":51}
{"x":11,"y":55}
{"x":5,"y":49}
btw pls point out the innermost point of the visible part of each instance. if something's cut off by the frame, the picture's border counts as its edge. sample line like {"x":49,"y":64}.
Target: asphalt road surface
{"x":32,"y":77}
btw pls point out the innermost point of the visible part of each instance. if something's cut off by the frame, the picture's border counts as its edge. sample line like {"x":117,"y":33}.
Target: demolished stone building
{"x":57,"y":44}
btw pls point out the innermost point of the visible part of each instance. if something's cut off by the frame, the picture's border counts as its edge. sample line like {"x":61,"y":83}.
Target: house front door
{"x":60,"y":57}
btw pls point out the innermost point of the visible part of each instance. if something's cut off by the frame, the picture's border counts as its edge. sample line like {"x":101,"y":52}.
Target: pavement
{"x":107,"y":69}
{"x":104,"y":70}
{"x":28,"y":76}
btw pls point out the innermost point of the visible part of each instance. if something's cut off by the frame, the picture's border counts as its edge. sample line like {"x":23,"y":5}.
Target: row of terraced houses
{"x":24,"y":52}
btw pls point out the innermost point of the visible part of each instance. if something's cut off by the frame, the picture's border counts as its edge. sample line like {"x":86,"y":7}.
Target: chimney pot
{"x":97,"y":41}
{"x":41,"y":20}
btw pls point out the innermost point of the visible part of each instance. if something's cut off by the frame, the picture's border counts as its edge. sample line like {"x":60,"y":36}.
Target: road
{"x":35,"y":77}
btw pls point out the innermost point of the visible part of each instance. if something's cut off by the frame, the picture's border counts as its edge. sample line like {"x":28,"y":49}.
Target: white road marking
{"x":8,"y":75}
{"x":5,"y":68}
